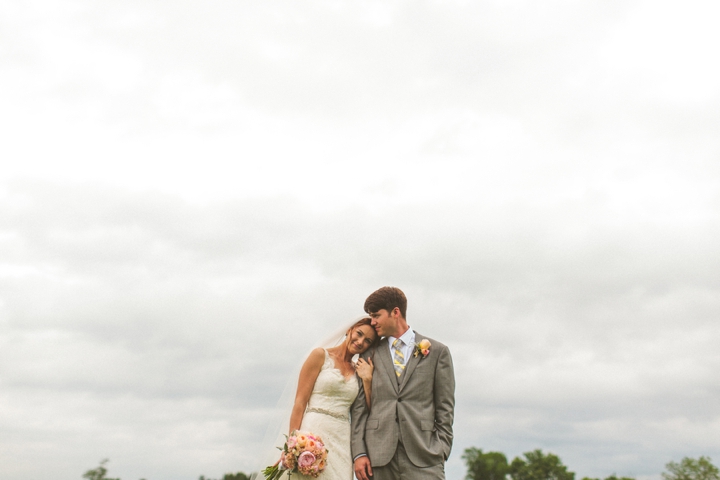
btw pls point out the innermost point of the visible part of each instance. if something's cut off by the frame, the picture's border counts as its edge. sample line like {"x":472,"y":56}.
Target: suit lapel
{"x":412,"y":363}
{"x":383,"y":351}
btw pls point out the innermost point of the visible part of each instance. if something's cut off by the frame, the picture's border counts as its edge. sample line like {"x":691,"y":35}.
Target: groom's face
{"x":383,"y":322}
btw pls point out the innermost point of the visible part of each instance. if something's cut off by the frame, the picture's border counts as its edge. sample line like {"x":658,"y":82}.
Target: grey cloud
{"x":573,"y":336}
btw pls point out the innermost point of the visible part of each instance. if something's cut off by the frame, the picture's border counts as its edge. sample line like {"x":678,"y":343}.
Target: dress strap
{"x":329,"y":362}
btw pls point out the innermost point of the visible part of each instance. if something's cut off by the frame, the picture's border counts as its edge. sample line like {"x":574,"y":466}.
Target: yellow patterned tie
{"x":398,"y":358}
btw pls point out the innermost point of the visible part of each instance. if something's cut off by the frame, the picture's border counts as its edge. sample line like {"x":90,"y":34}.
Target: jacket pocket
{"x":427,"y":425}
{"x":372,"y":424}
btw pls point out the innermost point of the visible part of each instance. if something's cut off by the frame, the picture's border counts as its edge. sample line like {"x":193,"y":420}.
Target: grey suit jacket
{"x":419,"y":411}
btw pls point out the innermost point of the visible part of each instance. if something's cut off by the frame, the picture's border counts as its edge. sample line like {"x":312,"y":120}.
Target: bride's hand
{"x":365,"y":369}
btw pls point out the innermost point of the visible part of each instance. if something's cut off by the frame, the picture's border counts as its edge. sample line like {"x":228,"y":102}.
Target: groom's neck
{"x":402,"y":327}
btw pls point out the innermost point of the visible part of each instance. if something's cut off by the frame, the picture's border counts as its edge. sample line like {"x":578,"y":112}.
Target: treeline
{"x":537,"y":465}
{"x":100,"y":473}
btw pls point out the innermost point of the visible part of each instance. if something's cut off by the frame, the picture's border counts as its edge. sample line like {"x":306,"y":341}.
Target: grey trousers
{"x":401,"y":468}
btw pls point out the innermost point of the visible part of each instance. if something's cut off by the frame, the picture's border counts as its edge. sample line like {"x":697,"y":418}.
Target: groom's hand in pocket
{"x":363,"y":469}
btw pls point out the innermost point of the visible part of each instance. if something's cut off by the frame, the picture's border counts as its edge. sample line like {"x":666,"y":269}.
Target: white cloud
{"x":192,"y":192}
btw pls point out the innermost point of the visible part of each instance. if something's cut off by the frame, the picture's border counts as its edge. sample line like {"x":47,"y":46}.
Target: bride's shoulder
{"x":313,"y":364}
{"x":316,"y":357}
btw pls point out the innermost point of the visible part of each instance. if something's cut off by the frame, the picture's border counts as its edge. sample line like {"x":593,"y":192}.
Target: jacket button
{"x":399,"y":400}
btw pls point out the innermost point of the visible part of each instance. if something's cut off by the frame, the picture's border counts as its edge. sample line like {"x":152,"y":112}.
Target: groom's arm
{"x":361,"y":462}
{"x":444,"y":389}
{"x":358,"y":415}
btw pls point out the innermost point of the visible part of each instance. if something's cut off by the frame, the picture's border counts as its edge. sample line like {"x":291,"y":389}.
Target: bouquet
{"x":303,"y":452}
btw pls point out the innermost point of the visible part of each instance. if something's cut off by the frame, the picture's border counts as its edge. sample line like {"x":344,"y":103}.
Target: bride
{"x":327,"y":387}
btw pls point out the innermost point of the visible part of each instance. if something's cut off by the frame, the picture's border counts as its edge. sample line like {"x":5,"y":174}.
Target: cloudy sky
{"x":192,"y":192}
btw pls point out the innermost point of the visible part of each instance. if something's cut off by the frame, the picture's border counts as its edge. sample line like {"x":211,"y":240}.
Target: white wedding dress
{"x":328,"y":415}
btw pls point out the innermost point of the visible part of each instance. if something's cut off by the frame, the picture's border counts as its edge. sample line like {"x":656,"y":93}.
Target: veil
{"x":280,"y":420}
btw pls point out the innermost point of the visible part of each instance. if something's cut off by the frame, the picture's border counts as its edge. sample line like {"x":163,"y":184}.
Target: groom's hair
{"x":386,"y":298}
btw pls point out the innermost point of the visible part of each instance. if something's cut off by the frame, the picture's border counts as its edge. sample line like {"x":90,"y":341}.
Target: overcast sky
{"x":192,"y":192}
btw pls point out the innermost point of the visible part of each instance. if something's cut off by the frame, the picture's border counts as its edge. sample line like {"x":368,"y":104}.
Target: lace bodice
{"x":333,"y":393}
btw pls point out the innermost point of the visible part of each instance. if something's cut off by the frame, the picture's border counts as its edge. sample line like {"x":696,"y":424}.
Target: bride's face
{"x":361,"y":338}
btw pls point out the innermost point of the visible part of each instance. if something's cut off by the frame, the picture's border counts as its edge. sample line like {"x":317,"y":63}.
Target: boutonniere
{"x":422,"y":348}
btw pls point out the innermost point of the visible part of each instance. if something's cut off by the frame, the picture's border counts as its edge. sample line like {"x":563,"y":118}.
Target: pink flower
{"x":288,"y":461}
{"x":306,"y":459}
{"x":422,"y":348}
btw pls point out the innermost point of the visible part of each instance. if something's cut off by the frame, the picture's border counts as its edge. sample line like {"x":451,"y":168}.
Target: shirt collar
{"x":408,"y":338}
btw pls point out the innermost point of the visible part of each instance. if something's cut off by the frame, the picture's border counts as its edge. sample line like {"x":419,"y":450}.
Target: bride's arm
{"x":365,"y":370}
{"x":308,"y":374}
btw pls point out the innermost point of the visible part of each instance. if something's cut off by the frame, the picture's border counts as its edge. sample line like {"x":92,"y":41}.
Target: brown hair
{"x":386,"y":298}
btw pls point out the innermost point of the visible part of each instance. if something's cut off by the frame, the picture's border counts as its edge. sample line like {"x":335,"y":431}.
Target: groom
{"x":406,"y":434}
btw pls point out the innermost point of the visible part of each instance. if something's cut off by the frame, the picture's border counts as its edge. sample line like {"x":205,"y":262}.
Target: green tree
{"x":485,"y":466}
{"x":98,"y":473}
{"x":236,"y":476}
{"x":229,"y":476}
{"x":538,"y":466}
{"x":611,"y":477}
{"x":691,"y":469}
{"x":615,"y":477}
